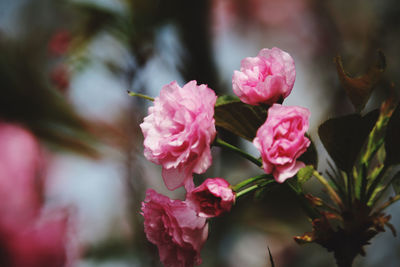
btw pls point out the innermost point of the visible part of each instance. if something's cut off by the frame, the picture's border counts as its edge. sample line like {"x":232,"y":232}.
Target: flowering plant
{"x":179,"y":131}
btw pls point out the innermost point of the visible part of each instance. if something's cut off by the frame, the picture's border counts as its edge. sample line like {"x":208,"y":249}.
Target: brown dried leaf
{"x":359,"y":89}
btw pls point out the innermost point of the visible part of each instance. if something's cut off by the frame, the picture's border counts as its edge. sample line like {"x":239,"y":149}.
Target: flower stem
{"x":140,"y":95}
{"x":246,"y":182}
{"x":223,"y":144}
{"x":246,"y":190}
{"x":332,"y":193}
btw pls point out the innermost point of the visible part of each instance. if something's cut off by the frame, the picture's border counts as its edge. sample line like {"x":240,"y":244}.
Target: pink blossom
{"x":212,"y":198}
{"x":36,"y":243}
{"x":179,"y":130}
{"x":281,"y":140}
{"x":60,"y":42}
{"x":19,"y":173}
{"x":60,"y":77}
{"x":265,"y":79}
{"x":27,"y":237}
{"x":174,"y":227}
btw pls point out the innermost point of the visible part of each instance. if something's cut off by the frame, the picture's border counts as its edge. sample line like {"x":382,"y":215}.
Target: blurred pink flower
{"x":19,"y":173}
{"x":178,"y":132}
{"x":212,"y":198}
{"x":27,"y":238}
{"x":174,"y":227}
{"x":35,"y":243}
{"x":60,"y":77}
{"x":60,"y":42}
{"x":265,"y":79}
{"x":281,"y":140}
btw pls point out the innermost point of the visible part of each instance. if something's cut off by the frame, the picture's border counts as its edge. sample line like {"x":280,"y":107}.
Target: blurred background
{"x":66,"y":66}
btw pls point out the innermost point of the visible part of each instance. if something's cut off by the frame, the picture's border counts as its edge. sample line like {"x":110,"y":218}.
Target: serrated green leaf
{"x":359,"y":89}
{"x":304,"y":174}
{"x":239,"y":118}
{"x":343,"y":137}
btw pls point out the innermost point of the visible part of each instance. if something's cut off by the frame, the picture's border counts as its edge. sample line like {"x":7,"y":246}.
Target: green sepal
{"x":304,"y":174}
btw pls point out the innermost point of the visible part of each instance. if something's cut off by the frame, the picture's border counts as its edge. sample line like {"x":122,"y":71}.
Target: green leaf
{"x":239,"y":118}
{"x":305,"y":174}
{"x":396,"y":183}
{"x":375,"y":194}
{"x":226,"y":99}
{"x":359,"y":89}
{"x":392,"y":139}
{"x":343,"y":137}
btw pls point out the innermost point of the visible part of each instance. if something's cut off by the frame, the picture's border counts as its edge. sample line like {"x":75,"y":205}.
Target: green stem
{"x":246,"y":190}
{"x":312,"y":213}
{"x":332,"y":193}
{"x":221,"y":143}
{"x":140,"y":95}
{"x":246,"y":182}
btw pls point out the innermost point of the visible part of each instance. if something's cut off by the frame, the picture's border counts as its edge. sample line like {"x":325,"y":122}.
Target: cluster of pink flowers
{"x":27,"y":237}
{"x":179,"y":228}
{"x":178,"y":133}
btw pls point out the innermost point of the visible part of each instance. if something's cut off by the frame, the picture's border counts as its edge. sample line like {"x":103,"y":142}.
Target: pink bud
{"x":212,"y":198}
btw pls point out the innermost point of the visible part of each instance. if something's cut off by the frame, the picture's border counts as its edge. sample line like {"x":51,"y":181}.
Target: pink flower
{"x":265,"y":79}
{"x":174,"y":227}
{"x":60,"y":42}
{"x":212,"y":198}
{"x":36,"y":243}
{"x":19,"y":173}
{"x":60,"y":77}
{"x":281,"y":140}
{"x":178,"y":132}
{"x":27,"y":238}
